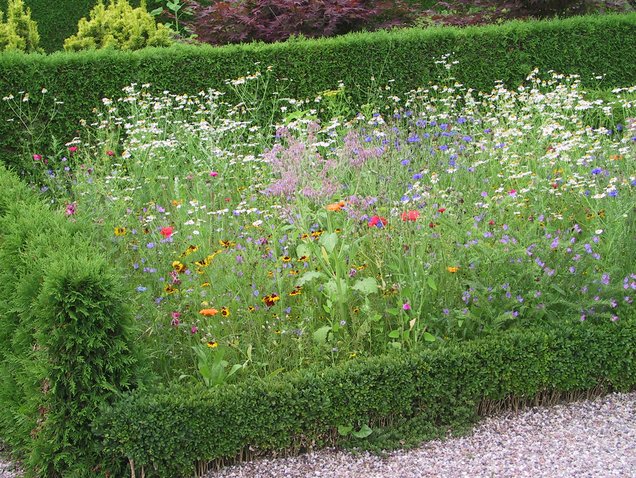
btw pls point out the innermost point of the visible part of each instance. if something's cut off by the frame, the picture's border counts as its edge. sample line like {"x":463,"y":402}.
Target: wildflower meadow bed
{"x":447,"y":215}
{"x":342,"y":235}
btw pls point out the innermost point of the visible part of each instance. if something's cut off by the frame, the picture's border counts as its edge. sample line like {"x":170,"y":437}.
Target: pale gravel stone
{"x":595,"y":439}
{"x":8,"y":469}
{"x":588,"y":439}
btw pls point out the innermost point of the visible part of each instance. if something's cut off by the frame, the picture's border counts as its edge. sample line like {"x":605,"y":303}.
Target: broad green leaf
{"x":344,"y":430}
{"x":235,"y":368}
{"x":431,"y":283}
{"x":428,"y":337}
{"x":363,"y":330}
{"x":393,"y":311}
{"x":329,"y":241}
{"x":364,"y":432}
{"x":331,"y":290}
{"x":303,"y":250}
{"x":308,"y":276}
{"x":394,"y":334}
{"x":321,"y":334}
{"x":367,"y":286}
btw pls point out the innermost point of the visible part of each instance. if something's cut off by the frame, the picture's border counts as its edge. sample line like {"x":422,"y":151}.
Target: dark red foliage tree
{"x":234,"y":21}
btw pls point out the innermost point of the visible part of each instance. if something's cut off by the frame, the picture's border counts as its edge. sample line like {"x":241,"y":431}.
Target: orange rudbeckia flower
{"x":208,"y":312}
{"x":337,"y":206}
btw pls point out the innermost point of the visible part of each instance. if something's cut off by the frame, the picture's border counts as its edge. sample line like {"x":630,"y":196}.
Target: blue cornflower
{"x":597,"y":171}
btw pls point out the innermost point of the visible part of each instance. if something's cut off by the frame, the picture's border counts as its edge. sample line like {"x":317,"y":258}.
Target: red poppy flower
{"x":441,"y":209}
{"x":377,"y":221}
{"x":166,"y":231}
{"x":411,"y":215}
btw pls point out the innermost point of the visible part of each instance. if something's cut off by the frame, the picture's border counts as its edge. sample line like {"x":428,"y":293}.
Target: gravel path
{"x":8,"y":469}
{"x":595,"y":439}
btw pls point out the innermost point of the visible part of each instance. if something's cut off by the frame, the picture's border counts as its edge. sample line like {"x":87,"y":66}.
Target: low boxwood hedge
{"x":178,"y":430}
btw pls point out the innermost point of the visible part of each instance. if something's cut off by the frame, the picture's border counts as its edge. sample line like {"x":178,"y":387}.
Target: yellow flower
{"x":170,"y":290}
{"x":120,"y":231}
{"x":179,"y":267}
{"x":225,"y":312}
{"x":452,"y":270}
{"x":212,"y":344}
{"x":270,"y":300}
{"x":189,"y":250}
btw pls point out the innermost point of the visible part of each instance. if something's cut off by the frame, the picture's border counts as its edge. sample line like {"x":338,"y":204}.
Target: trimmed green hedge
{"x":66,"y":346}
{"x":588,"y":46}
{"x":176,"y":431}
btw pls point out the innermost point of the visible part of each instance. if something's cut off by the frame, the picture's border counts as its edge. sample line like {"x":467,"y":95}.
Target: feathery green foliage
{"x":118,"y":26}
{"x":19,"y":32}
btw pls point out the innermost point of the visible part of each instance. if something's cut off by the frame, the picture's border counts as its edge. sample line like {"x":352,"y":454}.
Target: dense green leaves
{"x":65,"y":336}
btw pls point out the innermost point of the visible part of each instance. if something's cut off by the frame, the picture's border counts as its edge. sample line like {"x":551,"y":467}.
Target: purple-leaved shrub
{"x":235,"y":21}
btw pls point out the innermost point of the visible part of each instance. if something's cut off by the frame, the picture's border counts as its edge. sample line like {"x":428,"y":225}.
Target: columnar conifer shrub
{"x":19,"y":32}
{"x":66,"y":343}
{"x":232,"y":21}
{"x":118,"y":26}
